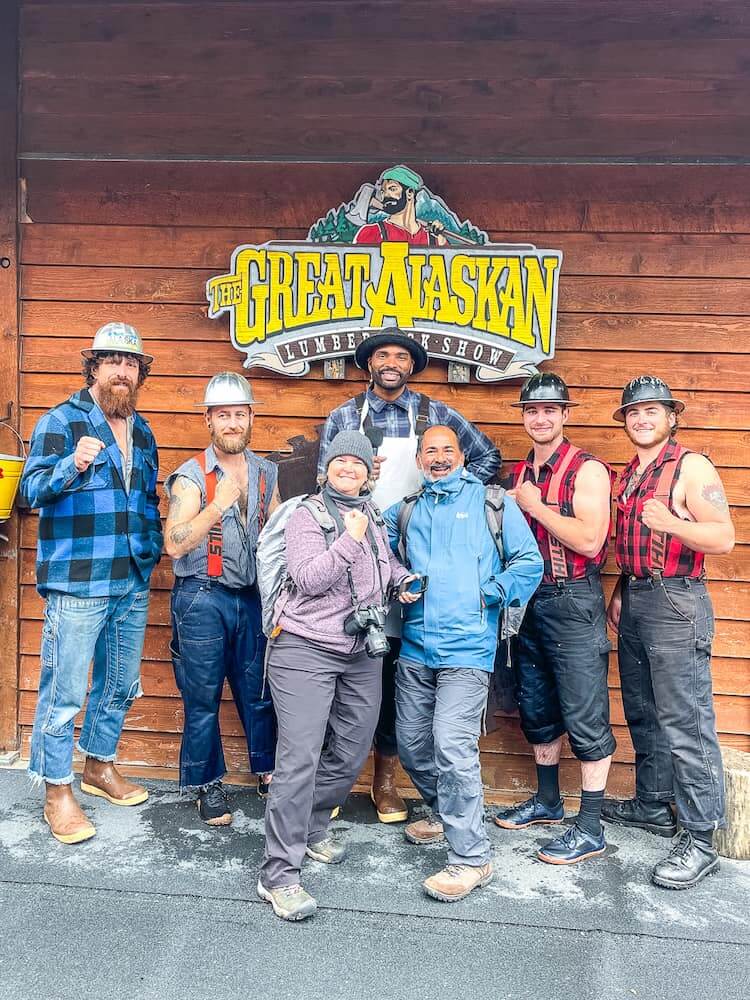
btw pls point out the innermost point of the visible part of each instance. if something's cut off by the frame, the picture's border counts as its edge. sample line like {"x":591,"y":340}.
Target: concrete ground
{"x":160,"y":907}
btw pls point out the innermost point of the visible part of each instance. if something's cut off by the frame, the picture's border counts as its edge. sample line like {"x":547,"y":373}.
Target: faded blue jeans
{"x":109,"y":630}
{"x":438,"y":723}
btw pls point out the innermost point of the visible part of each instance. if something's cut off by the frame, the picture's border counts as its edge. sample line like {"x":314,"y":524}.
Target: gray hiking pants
{"x":314,"y":689}
{"x":438,"y":723}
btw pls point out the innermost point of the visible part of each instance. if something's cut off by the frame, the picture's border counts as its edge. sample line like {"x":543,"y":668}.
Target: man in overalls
{"x":218,"y":503}
{"x":561,"y":652}
{"x":671,"y":510}
{"x":394,"y":417}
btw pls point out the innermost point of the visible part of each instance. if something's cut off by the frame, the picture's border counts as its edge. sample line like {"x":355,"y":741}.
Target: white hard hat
{"x":228,"y":389}
{"x":118,"y":338}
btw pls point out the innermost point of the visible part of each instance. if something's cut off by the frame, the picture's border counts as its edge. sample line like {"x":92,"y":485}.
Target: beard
{"x":377,"y":377}
{"x":231,"y":445}
{"x":393,"y":205}
{"x":116,"y":403}
{"x":661,"y":436}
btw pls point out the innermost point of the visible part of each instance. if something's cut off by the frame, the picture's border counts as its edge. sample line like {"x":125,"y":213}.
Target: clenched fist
{"x":657,"y":517}
{"x":227,"y":492}
{"x":527,"y":496}
{"x":86,"y":451}
{"x":356,"y":524}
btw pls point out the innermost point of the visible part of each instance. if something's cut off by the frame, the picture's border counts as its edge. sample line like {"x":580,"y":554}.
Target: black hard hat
{"x":646,"y":389}
{"x":544,"y":387}
{"x":391,"y":336}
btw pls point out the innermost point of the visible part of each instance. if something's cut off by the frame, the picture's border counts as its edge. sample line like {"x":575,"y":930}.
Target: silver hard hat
{"x":228,"y":389}
{"x":117,"y":338}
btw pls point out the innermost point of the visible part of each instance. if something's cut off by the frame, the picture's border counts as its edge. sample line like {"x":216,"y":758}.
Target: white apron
{"x":399,"y":477}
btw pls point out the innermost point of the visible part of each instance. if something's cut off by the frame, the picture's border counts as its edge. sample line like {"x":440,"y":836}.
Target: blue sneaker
{"x":573,"y":846}
{"x":528,"y":813}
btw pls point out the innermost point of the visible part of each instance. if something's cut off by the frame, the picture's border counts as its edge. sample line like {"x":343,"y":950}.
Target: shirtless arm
{"x":187,"y":525}
{"x":700,"y":491}
{"x":586,"y":531}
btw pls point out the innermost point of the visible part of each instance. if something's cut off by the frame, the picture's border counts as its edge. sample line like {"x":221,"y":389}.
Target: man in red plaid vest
{"x":671,"y":510}
{"x":560,"y":657}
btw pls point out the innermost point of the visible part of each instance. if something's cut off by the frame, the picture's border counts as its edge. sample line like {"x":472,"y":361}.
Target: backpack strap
{"x":494,"y":505}
{"x":657,"y":544}
{"x":215,"y":539}
{"x":558,"y":562}
{"x":423,"y":415}
{"x":405,"y":511}
{"x":324,"y":518}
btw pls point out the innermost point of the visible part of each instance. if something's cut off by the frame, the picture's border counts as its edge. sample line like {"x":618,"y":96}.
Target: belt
{"x":642,"y":582}
{"x":181,"y":581}
{"x":585,"y":581}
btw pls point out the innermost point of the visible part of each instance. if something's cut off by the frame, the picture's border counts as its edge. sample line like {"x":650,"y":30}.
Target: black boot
{"x":687,"y":863}
{"x":656,"y":817}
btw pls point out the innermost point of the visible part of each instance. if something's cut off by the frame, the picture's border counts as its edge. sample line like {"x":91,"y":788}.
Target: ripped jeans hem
{"x":38,"y":779}
{"x":104,"y":758}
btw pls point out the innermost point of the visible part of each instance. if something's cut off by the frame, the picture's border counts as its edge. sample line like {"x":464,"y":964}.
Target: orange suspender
{"x":657,"y":546}
{"x":215,"y":537}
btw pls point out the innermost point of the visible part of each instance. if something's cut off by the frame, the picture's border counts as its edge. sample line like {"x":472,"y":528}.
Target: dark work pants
{"x":313,"y":690}
{"x":664,"y":652}
{"x":385,"y":732}
{"x":560,"y":667}
{"x":217,"y":635}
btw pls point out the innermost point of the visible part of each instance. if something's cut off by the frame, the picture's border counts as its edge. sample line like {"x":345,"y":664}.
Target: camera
{"x":371,"y":622}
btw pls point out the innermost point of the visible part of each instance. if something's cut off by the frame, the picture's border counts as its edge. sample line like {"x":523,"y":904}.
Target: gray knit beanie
{"x":351,"y":443}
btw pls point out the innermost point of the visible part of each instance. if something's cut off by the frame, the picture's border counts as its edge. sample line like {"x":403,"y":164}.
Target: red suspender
{"x":559,"y":563}
{"x":657,"y":544}
{"x":214,"y":540}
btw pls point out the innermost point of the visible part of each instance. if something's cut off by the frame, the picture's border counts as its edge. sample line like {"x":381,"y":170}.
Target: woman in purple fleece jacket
{"x":321,"y":678}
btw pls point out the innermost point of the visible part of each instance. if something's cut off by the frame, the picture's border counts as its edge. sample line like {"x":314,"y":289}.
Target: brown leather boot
{"x":390,"y":806}
{"x":455,"y":882}
{"x":67,"y":821}
{"x":103,"y":779}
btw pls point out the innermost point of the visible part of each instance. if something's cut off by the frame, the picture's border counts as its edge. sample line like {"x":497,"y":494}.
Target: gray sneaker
{"x":329,"y":851}
{"x":290,"y":902}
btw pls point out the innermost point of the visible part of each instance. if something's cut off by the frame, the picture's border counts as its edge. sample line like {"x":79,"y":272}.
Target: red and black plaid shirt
{"x":632,"y":537}
{"x":578,"y":566}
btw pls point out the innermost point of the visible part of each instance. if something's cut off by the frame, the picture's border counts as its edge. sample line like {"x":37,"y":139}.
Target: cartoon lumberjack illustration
{"x":397,"y":187}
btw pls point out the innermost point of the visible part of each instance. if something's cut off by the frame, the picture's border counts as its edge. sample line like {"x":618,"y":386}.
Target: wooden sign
{"x":395,"y":255}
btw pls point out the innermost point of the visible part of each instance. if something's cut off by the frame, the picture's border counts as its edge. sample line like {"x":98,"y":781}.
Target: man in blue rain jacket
{"x":448,"y":651}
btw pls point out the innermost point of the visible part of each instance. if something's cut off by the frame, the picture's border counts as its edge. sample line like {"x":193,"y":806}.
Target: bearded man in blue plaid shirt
{"x":394,"y":418}
{"x":91,"y":471}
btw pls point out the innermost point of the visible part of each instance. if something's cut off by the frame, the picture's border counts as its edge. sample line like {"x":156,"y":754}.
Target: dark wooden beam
{"x":9,"y":11}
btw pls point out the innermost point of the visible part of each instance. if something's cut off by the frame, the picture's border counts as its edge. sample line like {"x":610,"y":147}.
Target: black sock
{"x":704,"y":837}
{"x":589,"y":817}
{"x":548,"y":777}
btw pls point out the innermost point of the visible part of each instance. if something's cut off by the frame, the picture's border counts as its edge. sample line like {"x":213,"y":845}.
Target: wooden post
{"x":9,"y":35}
{"x":734,"y":842}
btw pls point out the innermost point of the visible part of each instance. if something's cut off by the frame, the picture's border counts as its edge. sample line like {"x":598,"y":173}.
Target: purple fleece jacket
{"x":321,"y":598}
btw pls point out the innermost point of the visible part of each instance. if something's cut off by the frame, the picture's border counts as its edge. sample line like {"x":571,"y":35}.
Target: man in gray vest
{"x":218,"y":503}
{"x":394,"y":418}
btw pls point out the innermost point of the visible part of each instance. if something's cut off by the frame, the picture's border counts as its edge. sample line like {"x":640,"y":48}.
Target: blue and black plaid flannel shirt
{"x":91,"y":530}
{"x":482,"y":457}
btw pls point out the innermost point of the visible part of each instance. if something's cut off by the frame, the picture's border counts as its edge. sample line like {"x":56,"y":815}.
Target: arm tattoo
{"x":180,"y":534}
{"x":174,"y":506}
{"x":713,"y":493}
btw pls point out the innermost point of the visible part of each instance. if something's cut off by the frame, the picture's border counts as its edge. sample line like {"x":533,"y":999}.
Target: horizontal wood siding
{"x":656,"y":269}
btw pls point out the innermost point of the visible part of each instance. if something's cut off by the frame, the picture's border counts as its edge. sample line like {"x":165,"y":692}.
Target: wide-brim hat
{"x":370,"y":344}
{"x":117,"y":338}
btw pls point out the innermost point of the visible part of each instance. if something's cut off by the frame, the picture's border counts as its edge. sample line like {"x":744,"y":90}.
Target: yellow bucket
{"x":11,"y":467}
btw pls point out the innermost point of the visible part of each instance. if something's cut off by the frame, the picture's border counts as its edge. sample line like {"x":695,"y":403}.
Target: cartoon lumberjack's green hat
{"x":404,"y":175}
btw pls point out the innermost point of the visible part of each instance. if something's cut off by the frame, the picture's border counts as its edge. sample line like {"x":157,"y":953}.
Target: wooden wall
{"x":146,"y":131}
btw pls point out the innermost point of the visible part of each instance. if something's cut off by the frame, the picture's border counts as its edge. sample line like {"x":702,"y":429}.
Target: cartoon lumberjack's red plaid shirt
{"x":633,"y":538}
{"x":578,"y":566}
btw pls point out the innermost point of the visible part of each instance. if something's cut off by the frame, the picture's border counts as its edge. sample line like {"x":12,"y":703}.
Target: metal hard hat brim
{"x":89,"y":353}
{"x":675,"y":404}
{"x":557,"y":402}
{"x":229,"y":402}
